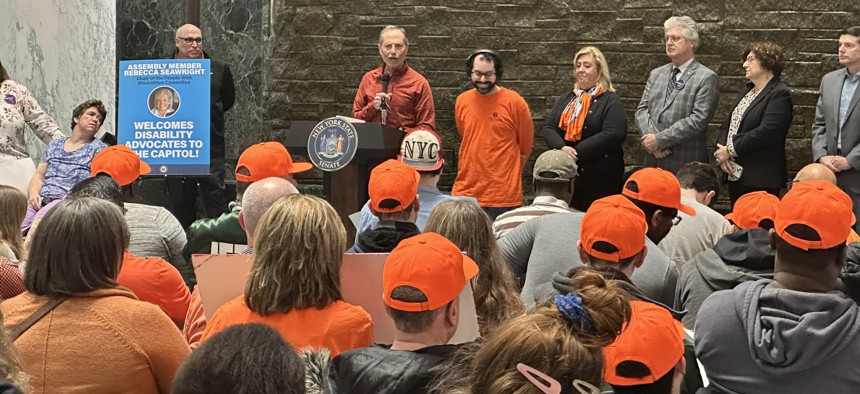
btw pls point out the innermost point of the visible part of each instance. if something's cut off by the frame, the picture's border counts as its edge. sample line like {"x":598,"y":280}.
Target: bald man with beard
{"x":183,"y":190}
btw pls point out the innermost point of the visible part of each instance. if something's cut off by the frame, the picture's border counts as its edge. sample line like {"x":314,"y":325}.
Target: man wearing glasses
{"x":395,"y":89}
{"x":497,"y":136}
{"x":183,"y":190}
{"x":678,"y":102}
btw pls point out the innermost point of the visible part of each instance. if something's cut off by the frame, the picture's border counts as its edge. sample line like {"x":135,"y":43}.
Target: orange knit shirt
{"x":338,"y":327}
{"x":495,"y":130}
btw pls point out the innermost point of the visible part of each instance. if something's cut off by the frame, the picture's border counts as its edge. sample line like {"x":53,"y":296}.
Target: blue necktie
{"x":672,"y":81}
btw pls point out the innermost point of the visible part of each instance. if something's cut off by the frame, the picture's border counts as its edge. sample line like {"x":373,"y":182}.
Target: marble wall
{"x":233,"y":33}
{"x":64,"y":52}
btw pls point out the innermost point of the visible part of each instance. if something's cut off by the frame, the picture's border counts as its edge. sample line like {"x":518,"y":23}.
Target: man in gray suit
{"x":836,"y":128}
{"x":678,"y":102}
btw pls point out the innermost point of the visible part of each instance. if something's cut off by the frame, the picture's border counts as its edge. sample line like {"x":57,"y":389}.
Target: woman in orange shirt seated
{"x":294,"y":283}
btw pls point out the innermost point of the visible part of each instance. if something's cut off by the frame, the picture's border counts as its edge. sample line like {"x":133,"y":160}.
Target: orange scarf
{"x":573,"y":116}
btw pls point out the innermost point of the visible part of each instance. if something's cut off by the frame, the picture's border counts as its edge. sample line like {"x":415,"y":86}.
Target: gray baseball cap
{"x":555,"y":166}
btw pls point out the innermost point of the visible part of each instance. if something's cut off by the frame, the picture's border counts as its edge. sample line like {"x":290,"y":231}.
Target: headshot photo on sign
{"x":163,"y":101}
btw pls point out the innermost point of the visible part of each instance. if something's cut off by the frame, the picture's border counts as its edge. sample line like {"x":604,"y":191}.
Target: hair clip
{"x":570,"y":306}
{"x":548,"y":385}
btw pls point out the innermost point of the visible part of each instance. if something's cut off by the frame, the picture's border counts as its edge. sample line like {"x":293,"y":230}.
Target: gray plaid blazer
{"x":681,"y":122}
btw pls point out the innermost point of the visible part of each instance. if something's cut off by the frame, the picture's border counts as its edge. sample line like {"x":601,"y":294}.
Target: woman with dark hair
{"x":465,"y":224}
{"x":246,"y":358}
{"x":589,"y":122}
{"x":751,"y":142}
{"x":18,"y":108}
{"x":294,"y":283}
{"x":89,"y":334}
{"x":66,"y":161}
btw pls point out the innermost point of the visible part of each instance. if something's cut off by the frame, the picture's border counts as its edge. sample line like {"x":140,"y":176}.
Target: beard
{"x":484,"y":87}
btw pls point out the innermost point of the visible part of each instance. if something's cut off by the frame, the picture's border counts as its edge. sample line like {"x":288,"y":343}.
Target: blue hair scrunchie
{"x":570,"y":306}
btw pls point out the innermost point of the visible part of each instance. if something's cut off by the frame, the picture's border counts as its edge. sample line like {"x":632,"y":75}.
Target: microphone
{"x":386,"y":78}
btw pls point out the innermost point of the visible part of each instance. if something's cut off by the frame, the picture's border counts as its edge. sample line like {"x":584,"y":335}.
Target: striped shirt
{"x":542,"y":205}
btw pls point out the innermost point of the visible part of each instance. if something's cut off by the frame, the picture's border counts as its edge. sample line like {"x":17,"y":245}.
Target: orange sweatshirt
{"x":495,"y":130}
{"x":104,"y":341}
{"x":157,"y":282}
{"x":338,"y":327}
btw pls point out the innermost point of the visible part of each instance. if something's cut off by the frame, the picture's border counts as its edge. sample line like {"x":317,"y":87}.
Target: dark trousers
{"x":494,"y":212}
{"x":183,"y":191}
{"x":736,"y":190}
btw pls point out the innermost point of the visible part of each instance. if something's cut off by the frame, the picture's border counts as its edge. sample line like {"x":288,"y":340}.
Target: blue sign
{"x":332,"y":144}
{"x":164,"y":114}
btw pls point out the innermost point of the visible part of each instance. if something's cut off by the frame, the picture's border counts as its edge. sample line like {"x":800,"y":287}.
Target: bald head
{"x":815,"y":172}
{"x":189,"y":42}
{"x":259,"y":197}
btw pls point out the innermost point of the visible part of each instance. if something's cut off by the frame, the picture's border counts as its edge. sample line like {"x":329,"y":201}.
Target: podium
{"x":346,"y":189}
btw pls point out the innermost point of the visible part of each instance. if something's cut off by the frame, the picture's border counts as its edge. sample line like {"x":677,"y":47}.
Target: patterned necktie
{"x":672,"y":81}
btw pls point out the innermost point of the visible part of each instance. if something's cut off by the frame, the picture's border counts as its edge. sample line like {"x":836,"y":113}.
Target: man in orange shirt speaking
{"x":497,"y":136}
{"x":396,"y":88}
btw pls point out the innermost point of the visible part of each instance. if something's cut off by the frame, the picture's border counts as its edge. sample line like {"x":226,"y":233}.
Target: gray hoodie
{"x":754,"y":339}
{"x":738,"y":257}
{"x":540,"y":247}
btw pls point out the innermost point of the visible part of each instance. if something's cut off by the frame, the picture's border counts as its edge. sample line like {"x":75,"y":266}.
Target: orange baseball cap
{"x":121,"y":163}
{"x":651,"y":337}
{"x":430,"y":263}
{"x":617,"y":221}
{"x":751,"y":208}
{"x":820,"y":205}
{"x":659,"y":187}
{"x":392,"y":180}
{"x":267,"y":159}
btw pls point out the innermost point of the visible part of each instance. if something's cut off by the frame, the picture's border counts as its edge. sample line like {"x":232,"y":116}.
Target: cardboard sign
{"x":361,"y":284}
{"x":221,"y":278}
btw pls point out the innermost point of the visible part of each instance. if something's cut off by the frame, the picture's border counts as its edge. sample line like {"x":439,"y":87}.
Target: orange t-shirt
{"x":157,"y":282}
{"x":338,"y":327}
{"x":495,"y":130}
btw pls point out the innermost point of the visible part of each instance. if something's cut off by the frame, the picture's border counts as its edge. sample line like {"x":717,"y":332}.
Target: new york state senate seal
{"x":332,"y":144}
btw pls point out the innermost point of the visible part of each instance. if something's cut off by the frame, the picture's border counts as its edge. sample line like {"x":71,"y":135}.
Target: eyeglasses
{"x":674,"y":215}
{"x":479,"y":75}
{"x":191,"y":40}
{"x":789,"y":184}
{"x":672,"y":39}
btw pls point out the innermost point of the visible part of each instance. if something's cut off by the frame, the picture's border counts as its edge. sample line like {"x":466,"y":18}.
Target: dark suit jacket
{"x":599,"y":155}
{"x":760,"y":140}
{"x":603,"y":133}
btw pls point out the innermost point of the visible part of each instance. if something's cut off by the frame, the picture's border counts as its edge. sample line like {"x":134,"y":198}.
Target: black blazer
{"x":760,"y":140}
{"x":603,"y":133}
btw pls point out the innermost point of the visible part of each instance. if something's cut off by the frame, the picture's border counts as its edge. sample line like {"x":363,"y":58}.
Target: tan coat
{"x":104,"y":341}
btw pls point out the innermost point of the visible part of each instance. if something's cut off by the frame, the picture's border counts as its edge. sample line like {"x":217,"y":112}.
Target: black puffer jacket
{"x":378,"y":369}
{"x":384,"y":237}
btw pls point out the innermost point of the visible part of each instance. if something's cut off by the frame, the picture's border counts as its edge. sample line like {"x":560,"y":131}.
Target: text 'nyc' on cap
{"x":657,"y":186}
{"x":555,"y":166}
{"x":651,"y":337}
{"x":421,"y":150}
{"x":392,"y":180}
{"x":617,"y":221}
{"x":751,"y":208}
{"x":820,"y":205}
{"x":430,"y":263}
{"x":267,"y":159}
{"x":121,"y":163}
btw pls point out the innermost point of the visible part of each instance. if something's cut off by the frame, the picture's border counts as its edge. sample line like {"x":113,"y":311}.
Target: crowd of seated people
{"x":635,"y":286}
